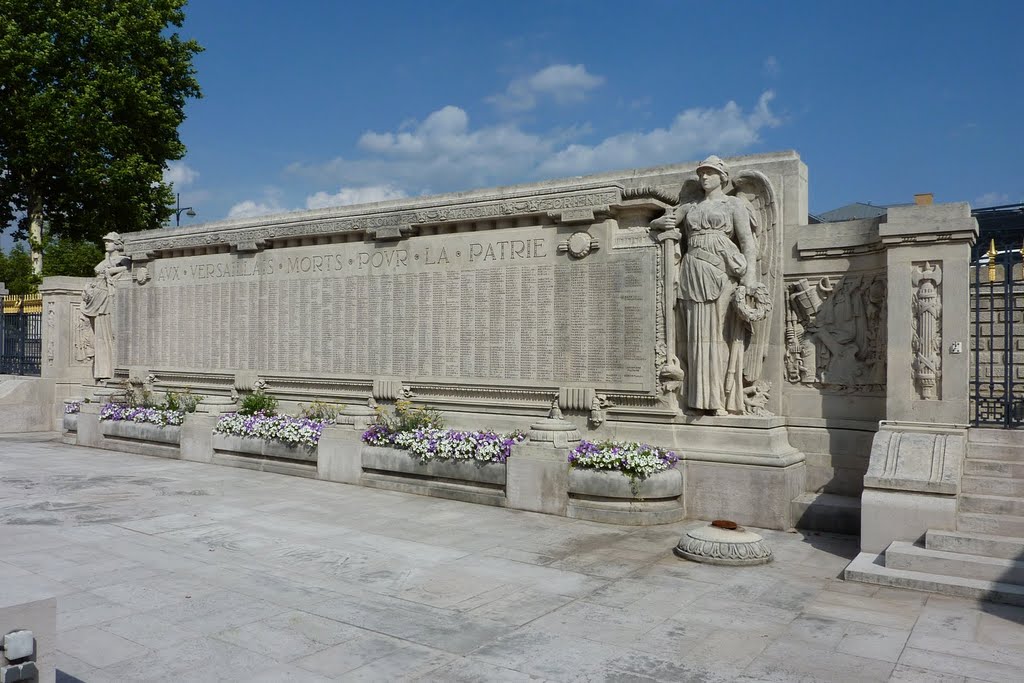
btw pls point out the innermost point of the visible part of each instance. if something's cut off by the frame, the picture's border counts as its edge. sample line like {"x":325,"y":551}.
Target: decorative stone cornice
{"x":578,"y":204}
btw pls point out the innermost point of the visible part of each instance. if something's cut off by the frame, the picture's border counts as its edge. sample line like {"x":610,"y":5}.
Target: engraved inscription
{"x":488,"y":309}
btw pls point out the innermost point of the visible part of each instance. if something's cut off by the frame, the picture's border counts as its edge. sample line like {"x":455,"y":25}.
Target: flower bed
{"x":291,"y":431}
{"x":120,"y":412}
{"x":121,"y":421}
{"x":431,"y":444}
{"x":638,"y":461}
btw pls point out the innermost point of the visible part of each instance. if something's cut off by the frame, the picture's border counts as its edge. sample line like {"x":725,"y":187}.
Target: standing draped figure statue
{"x":722,"y":292}
{"x":98,"y":301}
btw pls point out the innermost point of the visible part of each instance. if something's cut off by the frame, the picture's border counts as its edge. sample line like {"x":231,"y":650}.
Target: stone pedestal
{"x":89,"y":425}
{"x":339,"y":457}
{"x":912,"y":483}
{"x":197,"y":437}
{"x":537,"y":474}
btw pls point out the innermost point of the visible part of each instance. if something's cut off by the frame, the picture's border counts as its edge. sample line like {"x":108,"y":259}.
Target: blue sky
{"x":318,"y":103}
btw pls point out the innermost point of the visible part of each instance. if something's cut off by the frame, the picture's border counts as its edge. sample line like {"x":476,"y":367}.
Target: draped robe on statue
{"x":709,"y":274}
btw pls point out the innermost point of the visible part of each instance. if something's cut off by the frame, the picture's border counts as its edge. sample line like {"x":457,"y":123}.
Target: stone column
{"x":913,"y":477}
{"x":537,"y":473}
{"x":64,"y":364}
{"x":339,"y":455}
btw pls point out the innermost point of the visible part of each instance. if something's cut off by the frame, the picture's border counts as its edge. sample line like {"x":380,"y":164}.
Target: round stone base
{"x":715,"y":545}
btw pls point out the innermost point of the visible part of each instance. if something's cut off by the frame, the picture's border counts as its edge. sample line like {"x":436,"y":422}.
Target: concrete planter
{"x":604,"y":484}
{"x":470,"y":481}
{"x":246,"y":445}
{"x":70,"y":422}
{"x":398,"y":460}
{"x":140,"y":431}
{"x":601,"y":496}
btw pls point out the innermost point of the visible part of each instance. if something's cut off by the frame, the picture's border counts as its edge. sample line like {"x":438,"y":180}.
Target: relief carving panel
{"x":836,"y":332}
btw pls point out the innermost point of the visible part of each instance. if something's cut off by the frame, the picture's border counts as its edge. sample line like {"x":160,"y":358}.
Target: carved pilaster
{"x":927,"y":331}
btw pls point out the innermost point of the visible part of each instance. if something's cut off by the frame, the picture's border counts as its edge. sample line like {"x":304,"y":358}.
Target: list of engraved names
{"x":533,"y":319}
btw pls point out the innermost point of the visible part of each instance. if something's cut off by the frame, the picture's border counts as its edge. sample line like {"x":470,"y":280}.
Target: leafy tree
{"x":67,"y":256}
{"x":91,"y":96}
{"x":16,"y":270}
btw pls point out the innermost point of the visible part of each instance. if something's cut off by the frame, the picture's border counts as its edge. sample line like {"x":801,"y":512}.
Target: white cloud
{"x":693,"y":132}
{"x":354,"y":195}
{"x":564,"y":83}
{"x":250,"y":208}
{"x":992,"y":199}
{"x":180,"y":174}
{"x":771,"y":67}
{"x":438,"y":154}
{"x":444,"y":152}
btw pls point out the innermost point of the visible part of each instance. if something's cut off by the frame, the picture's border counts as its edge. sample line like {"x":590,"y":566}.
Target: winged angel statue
{"x":727,"y":271}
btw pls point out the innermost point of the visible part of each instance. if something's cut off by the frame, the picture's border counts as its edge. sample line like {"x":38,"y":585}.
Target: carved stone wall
{"x":489,"y":300}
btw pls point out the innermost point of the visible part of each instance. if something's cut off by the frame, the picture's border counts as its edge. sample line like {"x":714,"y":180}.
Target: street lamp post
{"x":179,"y":209}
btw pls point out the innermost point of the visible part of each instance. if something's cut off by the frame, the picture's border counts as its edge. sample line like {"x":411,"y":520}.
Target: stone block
{"x":39,"y":617}
{"x":751,"y":495}
{"x":917,"y":457}
{"x":27,"y":405}
{"x":338,"y":455}
{"x":888,"y":516}
{"x":197,"y":437}
{"x":538,"y":479}
{"x":89,"y":426}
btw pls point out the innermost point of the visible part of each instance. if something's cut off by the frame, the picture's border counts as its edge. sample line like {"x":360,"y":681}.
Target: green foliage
{"x":320,"y":411}
{"x":406,"y":418}
{"x":92,"y":94}
{"x":67,"y":256}
{"x":16,"y":271}
{"x":63,"y":256}
{"x":182,"y":401}
{"x":258,"y":402}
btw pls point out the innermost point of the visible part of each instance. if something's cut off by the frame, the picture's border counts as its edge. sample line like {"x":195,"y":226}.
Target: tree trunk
{"x":35,"y":235}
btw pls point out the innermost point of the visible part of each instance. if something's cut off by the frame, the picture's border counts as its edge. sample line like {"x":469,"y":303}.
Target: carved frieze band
{"x":386,"y":226}
{"x":836,"y":332}
{"x":926,"y":341}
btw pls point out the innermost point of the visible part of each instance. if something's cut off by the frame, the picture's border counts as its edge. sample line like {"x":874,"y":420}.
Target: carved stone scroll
{"x":927,"y":329}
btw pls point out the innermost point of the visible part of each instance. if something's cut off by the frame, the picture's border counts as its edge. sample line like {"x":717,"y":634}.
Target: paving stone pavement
{"x":170,"y":570}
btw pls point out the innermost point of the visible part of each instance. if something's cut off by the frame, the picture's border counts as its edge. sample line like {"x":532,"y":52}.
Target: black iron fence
{"x":997,"y":323}
{"x":21,"y":336}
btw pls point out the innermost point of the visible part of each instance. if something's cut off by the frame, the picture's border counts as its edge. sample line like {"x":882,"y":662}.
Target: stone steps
{"x":910,"y":557}
{"x":992,"y":505}
{"x":985,"y":523}
{"x":992,"y":486}
{"x":871,"y":568}
{"x":987,"y":545}
{"x":993,"y":468}
{"x":994,"y":451}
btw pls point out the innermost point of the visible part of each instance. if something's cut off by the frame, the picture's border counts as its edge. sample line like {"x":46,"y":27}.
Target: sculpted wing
{"x":755,"y":188}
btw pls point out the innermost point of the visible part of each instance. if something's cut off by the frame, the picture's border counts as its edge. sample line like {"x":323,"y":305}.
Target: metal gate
{"x":21,"y":336}
{"x":997,"y":321}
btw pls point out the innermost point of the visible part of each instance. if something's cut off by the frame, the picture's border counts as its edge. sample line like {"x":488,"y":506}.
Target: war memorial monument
{"x":806,"y":375}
